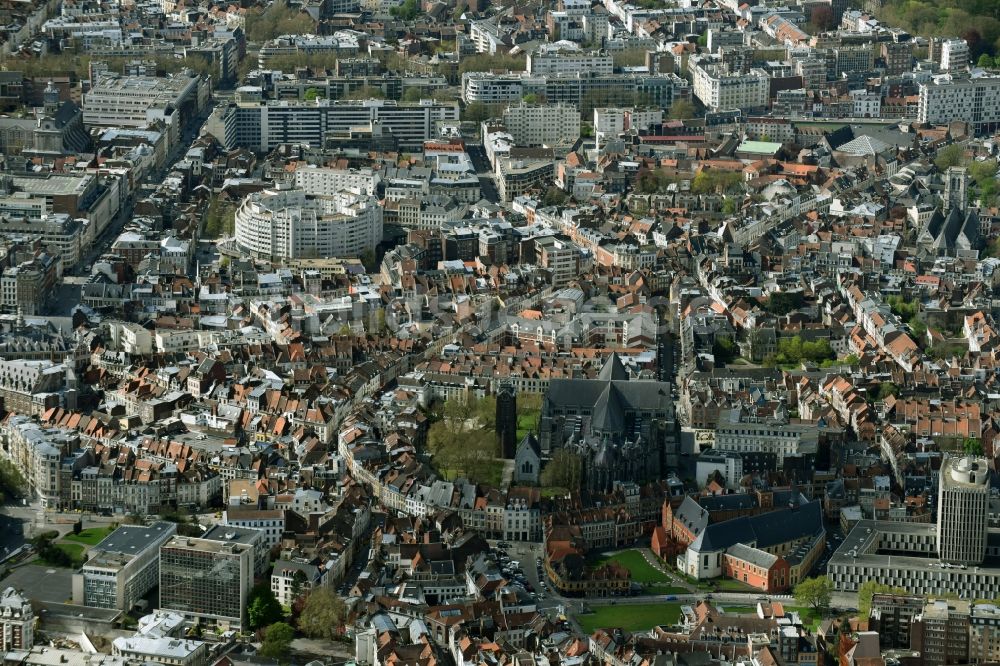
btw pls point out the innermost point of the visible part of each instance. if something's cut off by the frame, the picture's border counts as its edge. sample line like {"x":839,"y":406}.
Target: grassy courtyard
{"x":642,"y":572}
{"x":630,"y":617}
{"x":73,"y":550}
{"x":90,"y":536}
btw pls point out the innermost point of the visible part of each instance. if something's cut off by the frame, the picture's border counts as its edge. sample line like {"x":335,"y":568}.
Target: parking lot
{"x":42,"y":583}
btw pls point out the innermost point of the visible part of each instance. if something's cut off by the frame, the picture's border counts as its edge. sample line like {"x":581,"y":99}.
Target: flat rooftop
{"x":232,"y":534}
{"x":133,"y":539}
{"x":52,"y":184}
{"x":205,"y":545}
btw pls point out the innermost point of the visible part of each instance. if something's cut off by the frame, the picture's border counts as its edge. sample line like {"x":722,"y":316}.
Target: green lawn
{"x":527,"y":421}
{"x":810,"y":618}
{"x":653,"y":580}
{"x":74,"y":550}
{"x":91,"y":536}
{"x":630,"y":617}
{"x":642,"y":571}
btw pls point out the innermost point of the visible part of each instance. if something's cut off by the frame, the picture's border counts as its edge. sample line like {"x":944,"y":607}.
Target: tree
{"x":972,"y":446}
{"x":323,"y":614}
{"x":476,"y":112}
{"x":885,"y":389}
{"x":409,"y":10}
{"x":530,"y":98}
{"x":411,"y":94}
{"x":277,"y":640}
{"x":12,"y":483}
{"x":783,"y":302}
{"x":312,"y":94}
{"x":564,"y":470}
{"x":681,"y":109}
{"x":263,"y":608}
{"x":949,"y":156}
{"x":725,"y":350}
{"x":814,"y":593}
{"x":729,"y":206}
{"x":365,"y":92}
{"x":870,"y":588}
{"x":554,"y":197}
{"x":822,"y":18}
{"x":278,"y":19}
{"x":985,"y":61}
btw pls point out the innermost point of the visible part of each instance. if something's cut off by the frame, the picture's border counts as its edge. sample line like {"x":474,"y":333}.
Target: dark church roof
{"x":763,"y":530}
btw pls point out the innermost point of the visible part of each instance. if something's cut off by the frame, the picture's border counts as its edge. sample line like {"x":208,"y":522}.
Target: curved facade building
{"x":289,"y":224}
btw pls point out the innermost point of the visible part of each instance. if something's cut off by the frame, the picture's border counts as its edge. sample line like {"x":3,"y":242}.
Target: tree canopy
{"x":814,"y":593}
{"x":323,"y":614}
{"x":564,"y":470}
{"x":263,"y":608}
{"x":278,"y":19}
{"x":278,"y":639}
{"x":869,"y":589}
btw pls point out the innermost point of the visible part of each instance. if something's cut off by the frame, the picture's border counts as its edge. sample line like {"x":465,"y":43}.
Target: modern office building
{"x":263,"y":125}
{"x":208,"y":581}
{"x":958,"y":555}
{"x":974,"y":100}
{"x":138,"y":101}
{"x":252,"y":536}
{"x":17,"y":621}
{"x":515,"y":176}
{"x":123,"y":567}
{"x":289,"y":224}
{"x":963,"y":509}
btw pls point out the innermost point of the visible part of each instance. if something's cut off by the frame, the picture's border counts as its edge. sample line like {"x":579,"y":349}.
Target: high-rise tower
{"x":963,"y":509}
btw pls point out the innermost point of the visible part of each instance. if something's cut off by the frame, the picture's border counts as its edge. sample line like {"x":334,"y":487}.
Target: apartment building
{"x":565,"y":57}
{"x":264,"y":125}
{"x":17,"y":621}
{"x":542,"y":124}
{"x":718,"y":89}
{"x":973,"y":100}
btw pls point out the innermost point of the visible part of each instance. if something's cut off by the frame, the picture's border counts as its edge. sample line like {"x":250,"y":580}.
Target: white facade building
{"x":289,"y":224}
{"x":974,"y":100}
{"x":954,"y":55}
{"x":327,"y":182}
{"x":566,"y":57}
{"x":719,"y":90}
{"x":963,"y":509}
{"x":543,"y":124}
